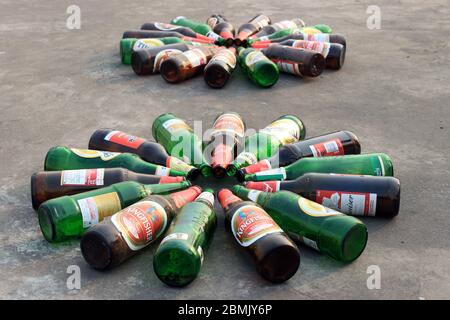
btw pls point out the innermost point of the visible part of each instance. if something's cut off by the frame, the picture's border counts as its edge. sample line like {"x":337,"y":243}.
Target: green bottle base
{"x":46,"y":224}
{"x":176,"y":265}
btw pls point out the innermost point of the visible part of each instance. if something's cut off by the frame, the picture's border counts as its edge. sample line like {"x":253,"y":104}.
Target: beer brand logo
{"x":250,"y":223}
{"x":141,"y":223}
{"x":165,"y":26}
{"x":86,"y":153}
{"x":147,"y":44}
{"x":314,"y":209}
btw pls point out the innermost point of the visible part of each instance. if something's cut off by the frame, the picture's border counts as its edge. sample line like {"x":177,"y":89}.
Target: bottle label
{"x":212,"y":22}
{"x":285,"y":24}
{"x":351,"y":203}
{"x":229,"y":122}
{"x":141,"y":223}
{"x":317,"y":46}
{"x":329,"y":148}
{"x":213,"y":35}
{"x":196,"y":57}
{"x":174,"y":125}
{"x":163,"y":56}
{"x":95,"y":209}
{"x":253,"y":57}
{"x":285,"y":130}
{"x":314,"y":209}
{"x":175,"y":236}
{"x":262,"y":165}
{"x":124,"y":139}
{"x":162,"y":171}
{"x":206,"y":196}
{"x":321,"y":37}
{"x":225,"y":56}
{"x":273,"y":174}
{"x":88,"y":154}
{"x":250,"y":223}
{"x":165,"y":26}
{"x":253,"y":195}
{"x":147,"y":44}
{"x":288,"y":66}
{"x":266,"y":186}
{"x":84,"y":177}
{"x":178,"y":165}
{"x":306,"y":241}
{"x":246,"y":158}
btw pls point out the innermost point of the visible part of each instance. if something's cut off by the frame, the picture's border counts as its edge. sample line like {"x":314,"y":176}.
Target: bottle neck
{"x":165,"y":188}
{"x":257,"y":196}
{"x":179,"y":199}
{"x":227,"y":198}
{"x":207,"y":198}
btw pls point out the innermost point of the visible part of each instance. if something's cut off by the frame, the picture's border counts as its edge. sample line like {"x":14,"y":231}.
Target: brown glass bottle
{"x":121,"y":236}
{"x":148,"y":61}
{"x":222,"y":27}
{"x":322,"y":37}
{"x":300,"y":62}
{"x":187,"y":64}
{"x":276,"y":257}
{"x":46,"y":185}
{"x":118,"y":141}
{"x":171,"y":27}
{"x":250,"y":28}
{"x":353,"y":195}
{"x":220,"y":67}
{"x":331,"y":144}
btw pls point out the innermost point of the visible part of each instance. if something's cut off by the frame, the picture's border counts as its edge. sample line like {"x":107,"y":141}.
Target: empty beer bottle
{"x":260,"y":69}
{"x":251,"y":27}
{"x":284,"y":130}
{"x":141,"y":34}
{"x":199,"y":27}
{"x":256,"y":42}
{"x":334,"y":53}
{"x":180,"y":141}
{"x":330,"y":232}
{"x":46,"y":185}
{"x":148,"y":61}
{"x":223,"y":28}
{"x":69,"y":216}
{"x":170,"y":27}
{"x":285,"y":24}
{"x":373,"y":164}
{"x":63,"y":158}
{"x":350,"y":194}
{"x":228,"y":130}
{"x":180,"y":256}
{"x":187,"y":64}
{"x":118,"y":141}
{"x":300,"y":62}
{"x":127,"y":46}
{"x":331,"y":144}
{"x":220,"y":67}
{"x":321,"y":37}
{"x":121,"y":236}
{"x":276,"y":257}
{"x":316,"y":29}
{"x":324,"y":28}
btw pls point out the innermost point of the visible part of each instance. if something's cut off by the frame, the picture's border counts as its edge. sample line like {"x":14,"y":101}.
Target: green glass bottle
{"x":263,"y":144}
{"x":69,"y":216}
{"x":330,"y":232}
{"x":179,"y":257}
{"x":315,"y":29}
{"x":63,"y":158}
{"x":324,"y":28}
{"x":127,"y":46}
{"x":275,"y":35}
{"x":180,"y":141}
{"x":372,"y":164}
{"x":260,"y":69}
{"x":197,"y":26}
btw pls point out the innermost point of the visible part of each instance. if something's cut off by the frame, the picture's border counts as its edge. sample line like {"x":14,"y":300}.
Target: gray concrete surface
{"x":58,"y":85}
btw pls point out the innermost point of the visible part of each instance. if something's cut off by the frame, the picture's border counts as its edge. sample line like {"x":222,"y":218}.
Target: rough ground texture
{"x":58,"y":85}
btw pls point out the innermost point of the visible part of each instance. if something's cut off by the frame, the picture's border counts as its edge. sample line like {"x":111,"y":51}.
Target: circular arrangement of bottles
{"x":125,"y":193}
{"x":185,"y":48}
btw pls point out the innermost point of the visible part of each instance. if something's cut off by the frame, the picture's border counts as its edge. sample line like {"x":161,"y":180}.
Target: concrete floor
{"x":58,"y":85}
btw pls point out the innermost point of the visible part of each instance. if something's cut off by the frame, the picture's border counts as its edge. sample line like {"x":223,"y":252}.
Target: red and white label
{"x":250,"y":223}
{"x":124,"y":139}
{"x":229,"y":122}
{"x":329,"y":148}
{"x":84,"y":177}
{"x":288,"y":66}
{"x":262,"y":165}
{"x":266,"y":186}
{"x":317,"y":46}
{"x":351,"y":203}
{"x":141,"y":223}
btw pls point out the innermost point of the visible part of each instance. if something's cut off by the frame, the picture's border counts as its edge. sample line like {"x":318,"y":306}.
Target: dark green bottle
{"x":69,"y":216}
{"x":260,"y":69}
{"x":179,"y":257}
{"x":63,"y":158}
{"x":372,"y":164}
{"x":330,"y":232}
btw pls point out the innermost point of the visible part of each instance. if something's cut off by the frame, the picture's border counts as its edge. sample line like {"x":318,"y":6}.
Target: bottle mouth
{"x":193,"y":174}
{"x":219,"y":172}
{"x":46,"y":223}
{"x":205,"y":170}
{"x":231,"y":170}
{"x":95,"y":250}
{"x":240,"y":175}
